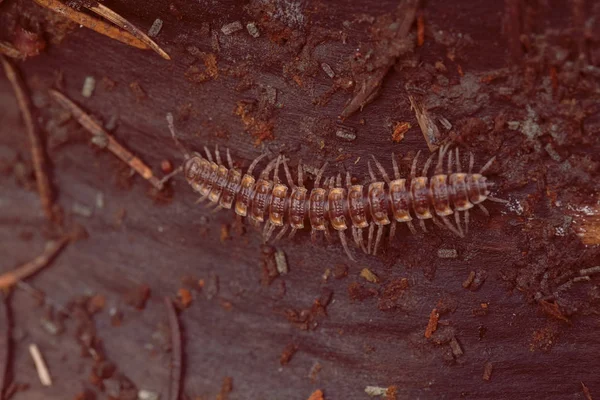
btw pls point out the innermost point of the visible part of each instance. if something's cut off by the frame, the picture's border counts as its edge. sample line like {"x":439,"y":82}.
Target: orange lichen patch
{"x":317,"y":395}
{"x":391,"y":393}
{"x":544,"y":338}
{"x":260,"y":129}
{"x":399,"y":130}
{"x":586,"y":223}
{"x":185,"y":297}
{"x":553,"y":310}
{"x":420,"y":30}
{"x":210,"y":62}
{"x":434,"y":317}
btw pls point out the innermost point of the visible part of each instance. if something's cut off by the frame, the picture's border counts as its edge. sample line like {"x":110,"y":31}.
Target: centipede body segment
{"x":287,"y":206}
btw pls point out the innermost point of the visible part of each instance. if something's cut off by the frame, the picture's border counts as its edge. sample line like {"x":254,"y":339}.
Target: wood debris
{"x":288,"y":353}
{"x":89,"y":84}
{"x":10,"y":278}
{"x":176,"y":351}
{"x":232,"y":27}
{"x":368,"y":275}
{"x":586,"y":391}
{"x":400,"y":130}
{"x":104,"y":139}
{"x":38,"y":157}
{"x":328,"y":70}
{"x":281,"y":262}
{"x":447,"y":253}
{"x":376,"y":391}
{"x":431,"y":133}
{"x":434,"y":317}
{"x":487,"y":371}
{"x":155,"y":28}
{"x":252,"y":29}
{"x":10,"y":51}
{"x":40,"y":365}
{"x":469,"y":280}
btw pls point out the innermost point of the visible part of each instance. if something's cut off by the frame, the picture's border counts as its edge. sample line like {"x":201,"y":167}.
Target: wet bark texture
{"x":518,"y":80}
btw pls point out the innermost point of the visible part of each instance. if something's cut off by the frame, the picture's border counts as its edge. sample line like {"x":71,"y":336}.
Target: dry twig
{"x":94,"y":24}
{"x":431,"y":132}
{"x":107,"y":140}
{"x":37,"y":150}
{"x":176,"y":354}
{"x":10,"y":278}
{"x":40,"y":365}
{"x":121,"y":22}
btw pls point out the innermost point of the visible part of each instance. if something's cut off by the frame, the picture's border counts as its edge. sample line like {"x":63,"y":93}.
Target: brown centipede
{"x":342,"y":205}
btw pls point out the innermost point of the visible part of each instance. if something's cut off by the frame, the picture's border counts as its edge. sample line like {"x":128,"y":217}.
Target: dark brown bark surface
{"x":517,"y":80}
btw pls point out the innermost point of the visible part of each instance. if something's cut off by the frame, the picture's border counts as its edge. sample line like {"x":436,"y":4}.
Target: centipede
{"x":337,"y":202}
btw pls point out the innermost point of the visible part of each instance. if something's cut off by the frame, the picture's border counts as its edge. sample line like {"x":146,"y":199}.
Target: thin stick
{"x":10,"y":278}
{"x":95,"y":129}
{"x":92,"y":23}
{"x":175,"y":375}
{"x":9,"y":50}
{"x":121,"y":22}
{"x":5,"y":345}
{"x":37,"y":150}
{"x":40,"y":365}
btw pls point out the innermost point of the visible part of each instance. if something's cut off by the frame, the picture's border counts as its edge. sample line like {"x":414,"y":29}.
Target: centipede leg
{"x":466,"y":221}
{"x":345,"y":245}
{"x":208,"y":155}
{"x":382,"y":170}
{"x":378,"y":238}
{"x":392,"y":231}
{"x":487,"y":165}
{"x":361,"y":241}
{"x":201,"y":199}
{"x":371,"y":173}
{"x":427,"y":164}
{"x":413,"y":169}
{"x":218,"y":155}
{"x":216,"y":209}
{"x":457,"y":220}
{"x":370,"y":238}
{"x":457,"y":232}
{"x":313,"y":236}
{"x":327,"y":234}
{"x":485,"y":210}
{"x":422,"y":225}
{"x":292,"y":233}
{"x":395,"y":167}
{"x":471,"y":162}
{"x":229,"y":159}
{"x":436,"y":222}
{"x":281,"y":233}
{"x":411,"y":227}
{"x":497,"y":200}
{"x":288,"y":175}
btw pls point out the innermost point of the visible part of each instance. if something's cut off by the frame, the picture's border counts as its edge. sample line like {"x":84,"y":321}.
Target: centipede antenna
{"x":255,"y":162}
{"x":395,"y":167}
{"x":371,"y":173}
{"x":348,"y":179}
{"x":171,"y":125}
{"x":471,"y":162}
{"x":497,"y":200}
{"x":487,"y":165}
{"x":449,"y":163}
{"x":413,"y":169}
{"x":382,"y":170}
{"x":300,"y":174}
{"x":288,"y":175}
{"x":485,"y":210}
{"x":229,"y":159}
{"x":378,"y":238}
{"x":218,"y":155}
{"x":427,"y":164}
{"x":320,"y":174}
{"x":338,"y":180}
{"x":208,"y":155}
{"x":345,"y":245}
{"x":458,"y":167}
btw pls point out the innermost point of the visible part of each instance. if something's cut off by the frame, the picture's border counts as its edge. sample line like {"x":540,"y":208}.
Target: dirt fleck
{"x":392,"y":292}
{"x":433,"y":323}
{"x":226,"y":388}
{"x":487,"y":371}
{"x":314,"y":371}
{"x":369,"y":276}
{"x":356,"y":291}
{"x":287,"y":353}
{"x":400,"y":130}
{"x":317,"y":395}
{"x":340,"y":271}
{"x":256,"y":122}
{"x":138,"y":296}
{"x":185,"y":297}
{"x":544,"y":338}
{"x":138,"y":91}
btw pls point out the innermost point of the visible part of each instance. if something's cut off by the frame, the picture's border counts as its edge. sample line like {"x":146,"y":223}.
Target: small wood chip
{"x":281,"y":262}
{"x":328,"y":70}
{"x":253,"y":29}
{"x":455,"y":346}
{"x":40,"y":365}
{"x":376,"y":391}
{"x":155,"y":28}
{"x":89,"y":84}
{"x":233,"y":27}
{"x":433,"y":323}
{"x":469,"y":280}
{"x":487,"y":371}
{"x":447,"y":253}
{"x":346,"y":133}
{"x":369,"y":276}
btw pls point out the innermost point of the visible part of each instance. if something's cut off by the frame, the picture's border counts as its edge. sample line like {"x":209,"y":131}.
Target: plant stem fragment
{"x":176,"y":354}
{"x":11,"y":278}
{"x":106,"y":140}
{"x":37,"y":150}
